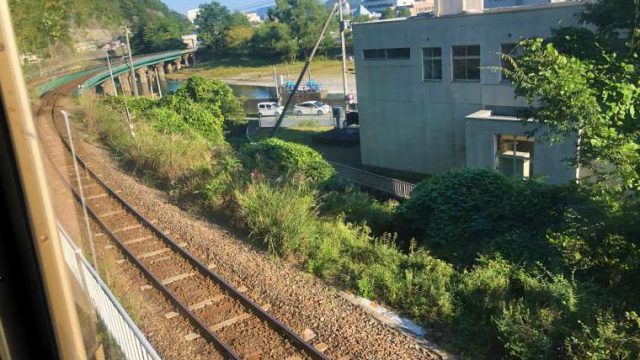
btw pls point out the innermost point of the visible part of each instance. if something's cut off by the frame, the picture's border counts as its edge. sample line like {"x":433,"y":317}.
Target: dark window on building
{"x":399,"y":53}
{"x":374,"y":54}
{"x":511,"y":50}
{"x":432,"y":63}
{"x":466,"y":62}
{"x":381,"y":54}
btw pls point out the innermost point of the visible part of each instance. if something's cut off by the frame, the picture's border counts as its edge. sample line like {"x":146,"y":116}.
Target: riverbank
{"x":328,"y":73}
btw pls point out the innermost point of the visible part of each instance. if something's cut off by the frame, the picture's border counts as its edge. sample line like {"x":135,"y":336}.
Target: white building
{"x":191,"y":41}
{"x":193,"y":14}
{"x":253,"y":18}
{"x":422,"y":6}
{"x":430,"y":97}
{"x":381,"y":5}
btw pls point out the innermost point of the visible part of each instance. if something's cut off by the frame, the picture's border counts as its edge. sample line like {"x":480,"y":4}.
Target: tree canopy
{"x":585,"y":84}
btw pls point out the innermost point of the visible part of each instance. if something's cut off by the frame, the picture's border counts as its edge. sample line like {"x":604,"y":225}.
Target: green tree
{"x":236,"y":40}
{"x":273,"y":40}
{"x":212,"y":22}
{"x":305,"y":18}
{"x":160,"y":34}
{"x":591,"y":94}
{"x":388,"y":13}
{"x":404,"y":12}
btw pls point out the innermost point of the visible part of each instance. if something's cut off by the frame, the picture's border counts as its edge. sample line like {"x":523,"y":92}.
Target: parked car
{"x":269,"y":109}
{"x":312,"y":108}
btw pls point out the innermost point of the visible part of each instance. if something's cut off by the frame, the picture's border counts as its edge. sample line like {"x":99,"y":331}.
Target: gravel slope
{"x":300,"y":300}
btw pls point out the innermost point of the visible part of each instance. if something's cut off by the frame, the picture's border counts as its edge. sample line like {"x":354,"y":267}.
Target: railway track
{"x":223,"y":315}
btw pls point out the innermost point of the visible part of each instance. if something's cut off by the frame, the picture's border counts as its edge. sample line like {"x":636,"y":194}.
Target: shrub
{"x":282,"y":218}
{"x":606,"y":339}
{"x":462,"y":214}
{"x":359,"y":207}
{"x":215,"y":94}
{"x":276,"y":158}
{"x":504,"y":309}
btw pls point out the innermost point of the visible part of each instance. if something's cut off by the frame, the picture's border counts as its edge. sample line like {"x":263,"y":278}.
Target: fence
{"x":126,"y":334}
{"x":397,"y":188}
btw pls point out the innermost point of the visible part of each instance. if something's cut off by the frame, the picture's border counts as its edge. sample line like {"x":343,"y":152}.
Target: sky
{"x":182,"y":6}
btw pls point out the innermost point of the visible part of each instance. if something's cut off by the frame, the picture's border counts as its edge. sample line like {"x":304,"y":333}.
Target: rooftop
{"x":486,"y":11}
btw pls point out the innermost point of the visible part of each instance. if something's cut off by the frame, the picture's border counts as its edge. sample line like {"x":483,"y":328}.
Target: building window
{"x":514,"y":155}
{"x":382,"y":54}
{"x":466,"y":62}
{"x":514,"y":51}
{"x":432,"y":63}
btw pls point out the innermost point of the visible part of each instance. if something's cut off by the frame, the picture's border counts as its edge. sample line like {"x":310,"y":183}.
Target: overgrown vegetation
{"x":495,"y":267}
{"x":43,"y":26}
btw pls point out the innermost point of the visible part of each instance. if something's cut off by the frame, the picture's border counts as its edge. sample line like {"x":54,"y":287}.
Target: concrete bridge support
{"x":178,"y":63}
{"x":144,"y":82}
{"x":185,"y":58}
{"x":125,"y":84}
{"x":160,"y":72}
{"x":108,"y":88}
{"x":169,"y":67}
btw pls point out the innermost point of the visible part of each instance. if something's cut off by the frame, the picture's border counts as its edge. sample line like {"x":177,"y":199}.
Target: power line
{"x":254,"y":5}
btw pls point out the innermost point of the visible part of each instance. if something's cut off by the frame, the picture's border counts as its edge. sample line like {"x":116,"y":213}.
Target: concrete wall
{"x":407,"y":123}
{"x":547,"y":158}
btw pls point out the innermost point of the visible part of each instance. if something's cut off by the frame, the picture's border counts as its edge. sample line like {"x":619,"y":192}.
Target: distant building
{"x":191,"y":40}
{"x":363,"y":11}
{"x":421,"y":6}
{"x":381,"y":5}
{"x":81,"y":47}
{"x":253,"y":18}
{"x":193,"y":14}
{"x":430,"y":101}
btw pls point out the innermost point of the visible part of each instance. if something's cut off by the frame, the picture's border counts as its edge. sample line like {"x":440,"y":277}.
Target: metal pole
{"x":343,"y":28}
{"x":304,"y":69}
{"x":133,"y":74}
{"x":126,"y":106}
{"x":158,"y":82}
{"x":115,"y":89}
{"x":275,"y":80}
{"x":65,"y":115}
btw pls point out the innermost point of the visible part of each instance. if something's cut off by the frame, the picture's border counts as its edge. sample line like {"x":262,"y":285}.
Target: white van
{"x":269,"y":109}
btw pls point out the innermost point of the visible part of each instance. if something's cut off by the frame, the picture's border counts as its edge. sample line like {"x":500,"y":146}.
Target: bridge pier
{"x":144,"y":82}
{"x":185,"y":58}
{"x":108,"y":88}
{"x":169,"y":67}
{"x":160,"y":70}
{"x":125,"y":84}
{"x":178,"y":63}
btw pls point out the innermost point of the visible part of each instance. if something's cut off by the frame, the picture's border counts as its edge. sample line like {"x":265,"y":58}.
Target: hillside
{"x":49,"y":27}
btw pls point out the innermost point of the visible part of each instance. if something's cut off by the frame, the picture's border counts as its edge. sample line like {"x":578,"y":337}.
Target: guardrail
{"x":123,"y":330}
{"x":395,"y":187}
{"x":104,"y":75}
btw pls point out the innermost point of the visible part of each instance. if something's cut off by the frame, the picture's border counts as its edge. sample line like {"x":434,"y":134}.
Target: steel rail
{"x":277,"y":325}
{"x":183,"y":308}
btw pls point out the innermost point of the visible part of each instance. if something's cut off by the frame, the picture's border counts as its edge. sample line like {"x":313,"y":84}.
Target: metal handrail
{"x":395,"y":187}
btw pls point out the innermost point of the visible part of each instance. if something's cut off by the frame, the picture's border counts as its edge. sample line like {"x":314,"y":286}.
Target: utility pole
{"x":133,"y":73}
{"x":343,"y":28}
{"x":274,"y":132}
{"x":115,"y":89}
{"x":126,"y":106}
{"x":275,"y":81}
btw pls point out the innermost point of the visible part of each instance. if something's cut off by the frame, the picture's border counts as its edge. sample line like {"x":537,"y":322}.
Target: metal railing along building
{"x":133,"y":344}
{"x":398,"y":188}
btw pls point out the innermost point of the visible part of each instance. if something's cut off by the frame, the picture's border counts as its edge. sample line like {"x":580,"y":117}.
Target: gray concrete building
{"x":431,"y":96}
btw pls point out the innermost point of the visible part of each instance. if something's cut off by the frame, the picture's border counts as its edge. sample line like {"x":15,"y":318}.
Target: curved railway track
{"x":223,"y":315}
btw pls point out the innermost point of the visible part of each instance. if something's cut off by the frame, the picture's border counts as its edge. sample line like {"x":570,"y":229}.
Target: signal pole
{"x":133,"y":73}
